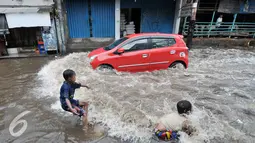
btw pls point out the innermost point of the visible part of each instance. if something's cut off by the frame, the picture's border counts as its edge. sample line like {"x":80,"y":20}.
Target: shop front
{"x":147,"y":16}
{"x":100,"y":18}
{"x":90,"y":18}
{"x":28,"y":30}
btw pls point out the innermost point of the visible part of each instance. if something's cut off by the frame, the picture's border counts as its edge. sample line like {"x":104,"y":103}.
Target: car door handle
{"x":145,"y":55}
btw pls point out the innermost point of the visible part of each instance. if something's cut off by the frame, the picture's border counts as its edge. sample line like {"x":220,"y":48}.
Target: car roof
{"x":154,"y":34}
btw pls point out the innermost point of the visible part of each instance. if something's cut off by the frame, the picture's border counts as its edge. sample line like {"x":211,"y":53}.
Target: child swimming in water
{"x":67,"y":100}
{"x":169,"y":125}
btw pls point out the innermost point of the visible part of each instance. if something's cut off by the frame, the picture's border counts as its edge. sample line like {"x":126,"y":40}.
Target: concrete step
{"x":87,"y":44}
{"x":79,"y":48}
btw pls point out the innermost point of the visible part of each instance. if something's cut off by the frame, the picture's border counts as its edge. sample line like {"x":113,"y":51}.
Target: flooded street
{"x":219,"y":83}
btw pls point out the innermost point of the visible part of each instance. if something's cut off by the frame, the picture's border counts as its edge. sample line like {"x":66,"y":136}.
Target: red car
{"x":142,"y":52}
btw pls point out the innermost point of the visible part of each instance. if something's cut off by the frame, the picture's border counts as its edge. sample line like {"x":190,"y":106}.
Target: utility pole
{"x":60,"y":27}
{"x":192,"y":24}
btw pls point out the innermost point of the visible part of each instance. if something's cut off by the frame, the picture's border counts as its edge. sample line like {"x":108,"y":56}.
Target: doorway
{"x":136,"y":17}
{"x":25,"y":38}
{"x":129,"y":17}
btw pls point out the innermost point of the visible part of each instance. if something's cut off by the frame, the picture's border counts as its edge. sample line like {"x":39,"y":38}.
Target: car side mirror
{"x":120,"y":50}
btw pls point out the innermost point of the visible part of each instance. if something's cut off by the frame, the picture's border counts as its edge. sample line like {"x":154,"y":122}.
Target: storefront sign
{"x":186,"y":9}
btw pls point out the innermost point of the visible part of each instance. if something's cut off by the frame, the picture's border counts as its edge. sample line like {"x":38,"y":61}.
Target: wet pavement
{"x":219,"y":83}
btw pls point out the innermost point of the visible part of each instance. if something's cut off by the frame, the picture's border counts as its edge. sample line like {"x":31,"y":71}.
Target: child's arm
{"x":188,"y":128}
{"x":85,"y":86}
{"x":70,"y":106}
{"x":78,"y":85}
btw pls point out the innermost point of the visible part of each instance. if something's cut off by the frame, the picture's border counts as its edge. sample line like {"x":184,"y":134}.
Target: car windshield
{"x":116,"y":43}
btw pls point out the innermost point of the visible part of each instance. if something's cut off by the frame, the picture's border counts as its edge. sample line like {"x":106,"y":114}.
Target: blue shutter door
{"x":103,"y":18}
{"x":158,"y":16}
{"x":77,"y":18}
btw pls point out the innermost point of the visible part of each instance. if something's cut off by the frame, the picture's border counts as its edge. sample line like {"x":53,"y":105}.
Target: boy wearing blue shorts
{"x":67,"y":100}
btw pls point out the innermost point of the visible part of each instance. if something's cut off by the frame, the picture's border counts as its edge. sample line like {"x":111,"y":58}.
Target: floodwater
{"x":219,"y":83}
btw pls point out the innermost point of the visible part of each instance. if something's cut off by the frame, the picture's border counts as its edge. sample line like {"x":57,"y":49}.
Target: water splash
{"x":130,"y":104}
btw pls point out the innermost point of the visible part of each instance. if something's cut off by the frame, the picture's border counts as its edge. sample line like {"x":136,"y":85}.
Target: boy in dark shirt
{"x":67,"y":100}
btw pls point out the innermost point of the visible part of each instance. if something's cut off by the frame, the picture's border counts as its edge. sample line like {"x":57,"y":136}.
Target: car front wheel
{"x":105,"y":68}
{"x":177,"y":65}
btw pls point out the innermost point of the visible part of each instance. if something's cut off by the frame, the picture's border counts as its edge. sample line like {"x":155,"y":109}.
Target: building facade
{"x":85,"y":23}
{"x":96,"y":18}
{"x":106,"y":19}
{"x":223,"y":18}
{"x":25,"y":22}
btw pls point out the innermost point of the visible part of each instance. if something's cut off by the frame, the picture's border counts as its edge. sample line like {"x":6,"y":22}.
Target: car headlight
{"x":92,"y":58}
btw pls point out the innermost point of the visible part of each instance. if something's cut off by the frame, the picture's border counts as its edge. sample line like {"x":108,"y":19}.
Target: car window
{"x":141,"y":44}
{"x":162,"y":42}
{"x":116,"y":43}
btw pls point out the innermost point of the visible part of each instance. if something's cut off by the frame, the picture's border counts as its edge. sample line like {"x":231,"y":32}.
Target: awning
{"x":16,"y":20}
{"x":19,"y":10}
{"x":24,"y":9}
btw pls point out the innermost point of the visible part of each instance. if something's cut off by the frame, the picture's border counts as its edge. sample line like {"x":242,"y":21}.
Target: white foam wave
{"x":130,"y":104}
